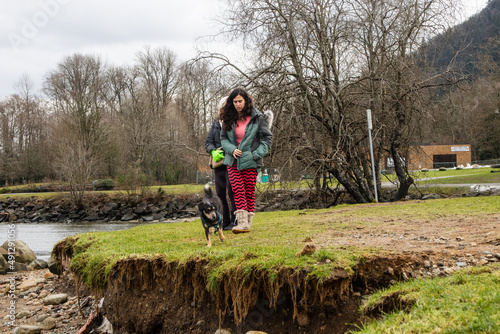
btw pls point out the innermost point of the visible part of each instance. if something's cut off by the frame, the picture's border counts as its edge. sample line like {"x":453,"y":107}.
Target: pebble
{"x":23,"y":314}
{"x":27,"y":329}
{"x":55,"y":299}
{"x":482,"y":262}
{"x":449,"y":271}
{"x":33,"y":317}
{"x":49,"y":323}
{"x":223,"y":331}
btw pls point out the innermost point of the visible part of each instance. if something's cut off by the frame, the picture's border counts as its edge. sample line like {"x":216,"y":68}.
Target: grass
{"x":458,"y":176}
{"x":467,"y":302}
{"x":275,"y":239}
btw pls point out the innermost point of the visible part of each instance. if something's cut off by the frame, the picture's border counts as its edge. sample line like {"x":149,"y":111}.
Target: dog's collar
{"x":216,"y":226}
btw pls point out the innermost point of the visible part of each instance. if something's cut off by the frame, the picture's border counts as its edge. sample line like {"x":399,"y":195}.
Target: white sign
{"x":369,"y":118}
{"x":460,"y":148}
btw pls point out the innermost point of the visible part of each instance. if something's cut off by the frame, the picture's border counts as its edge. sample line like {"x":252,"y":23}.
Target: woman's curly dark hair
{"x":229,"y":113}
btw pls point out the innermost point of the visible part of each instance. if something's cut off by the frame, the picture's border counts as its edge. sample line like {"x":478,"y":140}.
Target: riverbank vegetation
{"x":467,"y":302}
{"x":307,"y":253}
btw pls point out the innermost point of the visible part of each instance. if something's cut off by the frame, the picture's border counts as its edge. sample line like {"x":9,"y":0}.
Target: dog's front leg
{"x":221,"y":235}
{"x":208,"y":231}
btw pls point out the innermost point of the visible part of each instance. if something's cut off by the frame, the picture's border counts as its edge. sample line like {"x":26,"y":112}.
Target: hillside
{"x":470,"y":43}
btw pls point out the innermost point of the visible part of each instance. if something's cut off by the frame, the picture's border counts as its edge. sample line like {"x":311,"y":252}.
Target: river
{"x":42,"y":237}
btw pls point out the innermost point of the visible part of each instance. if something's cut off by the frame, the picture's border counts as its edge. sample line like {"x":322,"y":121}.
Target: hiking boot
{"x":242,"y":222}
{"x":250,"y":219}
{"x":229,"y":227}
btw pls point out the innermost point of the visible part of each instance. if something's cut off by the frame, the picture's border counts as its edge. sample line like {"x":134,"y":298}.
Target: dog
{"x":210,"y":212}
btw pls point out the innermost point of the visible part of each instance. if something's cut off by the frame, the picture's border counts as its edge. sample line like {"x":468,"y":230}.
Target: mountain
{"x":475,"y":40}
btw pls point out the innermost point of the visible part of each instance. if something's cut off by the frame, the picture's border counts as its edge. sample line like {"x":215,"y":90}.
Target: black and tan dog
{"x":210,"y":212}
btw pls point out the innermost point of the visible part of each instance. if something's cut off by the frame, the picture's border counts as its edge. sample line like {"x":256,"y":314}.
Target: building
{"x":436,"y":156}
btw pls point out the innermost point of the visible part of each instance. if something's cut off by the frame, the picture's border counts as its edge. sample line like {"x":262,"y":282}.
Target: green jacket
{"x":254,"y":145}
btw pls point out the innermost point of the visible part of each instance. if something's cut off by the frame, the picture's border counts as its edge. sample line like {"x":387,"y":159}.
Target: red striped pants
{"x":243,"y":184}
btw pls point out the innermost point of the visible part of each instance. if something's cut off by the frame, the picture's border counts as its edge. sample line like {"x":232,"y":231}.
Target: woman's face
{"x":239,"y":103}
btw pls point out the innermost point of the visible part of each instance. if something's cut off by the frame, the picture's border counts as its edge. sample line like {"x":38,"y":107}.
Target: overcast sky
{"x":35,"y":35}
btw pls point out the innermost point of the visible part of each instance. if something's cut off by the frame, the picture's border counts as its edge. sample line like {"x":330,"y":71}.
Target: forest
{"x":317,"y":64}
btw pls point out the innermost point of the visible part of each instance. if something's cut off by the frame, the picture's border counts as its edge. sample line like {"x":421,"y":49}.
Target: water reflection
{"x":41,"y":238}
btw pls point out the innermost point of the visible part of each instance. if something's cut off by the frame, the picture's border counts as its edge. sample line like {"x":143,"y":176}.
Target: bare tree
{"x":325,"y":62}
{"x":9,"y":164}
{"x":76,"y":89}
{"x":146,"y":117}
{"x":23,"y":136}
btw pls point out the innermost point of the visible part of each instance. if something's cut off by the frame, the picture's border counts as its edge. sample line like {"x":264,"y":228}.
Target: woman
{"x":213,"y":147}
{"x":245,"y":138}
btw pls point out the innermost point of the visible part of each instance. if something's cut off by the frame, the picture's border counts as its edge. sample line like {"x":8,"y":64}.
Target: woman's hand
{"x":237,"y":153}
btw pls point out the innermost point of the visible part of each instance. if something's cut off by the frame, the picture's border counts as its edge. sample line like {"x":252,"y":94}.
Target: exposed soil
{"x":152,"y":296}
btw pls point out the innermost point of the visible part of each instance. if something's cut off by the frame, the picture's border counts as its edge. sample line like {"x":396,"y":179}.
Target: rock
{"x":303,"y":319}
{"x":54,"y":267}
{"x":127,"y":217}
{"x":49,"y":276}
{"x":4,"y":253}
{"x":23,"y":253}
{"x":38,"y":264}
{"x":55,"y":299}
{"x":431,"y":196}
{"x":4,"y":265}
{"x":20,"y":267}
{"x":28,"y":330}
{"x":223,"y":331}
{"x":23,"y":314}
{"x":482,"y":262}
{"x":43,"y":294}
{"x":255,"y":332}
{"x":91,"y":218}
{"x":42,"y":317}
{"x":461,"y":264}
{"x":49,"y":323}
{"x":28,"y":284}
{"x":105,"y":328}
{"x":448,"y":271}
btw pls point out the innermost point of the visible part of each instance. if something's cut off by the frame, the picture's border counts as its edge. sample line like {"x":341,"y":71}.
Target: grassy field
{"x":464,"y":303}
{"x":467,"y":302}
{"x":458,"y":176}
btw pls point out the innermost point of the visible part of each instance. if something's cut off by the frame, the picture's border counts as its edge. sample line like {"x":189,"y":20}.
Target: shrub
{"x":107,"y":184}
{"x":4,"y":190}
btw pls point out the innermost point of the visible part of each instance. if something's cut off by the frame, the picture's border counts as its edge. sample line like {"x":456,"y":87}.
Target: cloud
{"x":36,"y":35}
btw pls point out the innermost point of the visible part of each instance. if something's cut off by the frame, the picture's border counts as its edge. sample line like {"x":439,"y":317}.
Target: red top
{"x":240,"y":129}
